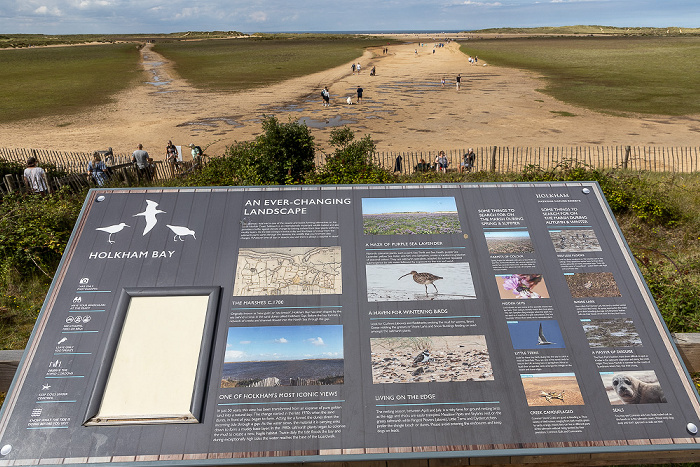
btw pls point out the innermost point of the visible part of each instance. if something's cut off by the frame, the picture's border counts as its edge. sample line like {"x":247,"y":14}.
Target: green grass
{"x":639,"y":75}
{"x":38,"y":82}
{"x":239,"y":64}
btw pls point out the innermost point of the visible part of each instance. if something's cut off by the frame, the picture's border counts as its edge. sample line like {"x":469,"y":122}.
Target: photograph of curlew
{"x":410,"y":216}
{"x":573,"y":240}
{"x":592,"y":284}
{"x":430,"y":359}
{"x":501,"y":242}
{"x":419,"y":281}
{"x":611,"y":332}
{"x":540,"y":334}
{"x":548,"y":389}
{"x":632,"y":387}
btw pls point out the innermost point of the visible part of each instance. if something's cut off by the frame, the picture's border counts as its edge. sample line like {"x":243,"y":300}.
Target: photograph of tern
{"x":540,"y":334}
{"x":419,"y":281}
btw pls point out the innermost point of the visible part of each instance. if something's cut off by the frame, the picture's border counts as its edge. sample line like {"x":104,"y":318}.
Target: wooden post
{"x":493,"y":159}
{"x":10,"y":183}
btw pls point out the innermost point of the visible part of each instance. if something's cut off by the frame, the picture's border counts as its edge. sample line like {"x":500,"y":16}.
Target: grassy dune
{"x":238,"y":64}
{"x":61,"y":80}
{"x":645,"y":75}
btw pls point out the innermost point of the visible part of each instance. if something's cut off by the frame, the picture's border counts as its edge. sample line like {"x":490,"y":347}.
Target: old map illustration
{"x":288,"y":271}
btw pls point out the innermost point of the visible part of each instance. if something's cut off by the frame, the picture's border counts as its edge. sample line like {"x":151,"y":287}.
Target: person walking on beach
{"x":459,"y":81}
{"x":353,"y":68}
{"x":326,"y":97}
{"x":359,"y":94}
{"x":35,"y":178}
{"x":359,"y":67}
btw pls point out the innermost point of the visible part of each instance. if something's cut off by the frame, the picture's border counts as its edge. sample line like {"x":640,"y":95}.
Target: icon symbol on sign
{"x":84,"y":280}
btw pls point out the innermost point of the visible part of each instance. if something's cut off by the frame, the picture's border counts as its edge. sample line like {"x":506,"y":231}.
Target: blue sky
{"x":156,"y":16}
{"x":273,"y":343}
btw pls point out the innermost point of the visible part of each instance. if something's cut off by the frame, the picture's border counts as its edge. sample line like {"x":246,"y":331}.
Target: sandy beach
{"x":404,"y":108}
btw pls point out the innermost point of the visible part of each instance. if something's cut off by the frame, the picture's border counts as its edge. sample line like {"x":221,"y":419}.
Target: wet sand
{"x":404,"y":108}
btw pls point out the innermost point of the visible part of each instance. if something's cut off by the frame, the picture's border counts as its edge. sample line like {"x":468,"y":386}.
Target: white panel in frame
{"x":156,"y":362}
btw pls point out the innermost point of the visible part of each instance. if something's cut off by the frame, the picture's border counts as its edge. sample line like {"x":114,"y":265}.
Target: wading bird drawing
{"x":180,"y":232}
{"x":112,"y":229}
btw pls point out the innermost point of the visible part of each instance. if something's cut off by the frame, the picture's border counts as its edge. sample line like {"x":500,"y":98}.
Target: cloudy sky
{"x":270,"y":343}
{"x":163,"y":16}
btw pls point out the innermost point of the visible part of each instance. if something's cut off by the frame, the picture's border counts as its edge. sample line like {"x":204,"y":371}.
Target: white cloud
{"x":258,"y":16}
{"x":281,"y":340}
{"x":233,"y":355}
{"x":317,"y":341}
{"x":46,"y":11}
{"x":244,"y":342}
{"x":470,"y":2}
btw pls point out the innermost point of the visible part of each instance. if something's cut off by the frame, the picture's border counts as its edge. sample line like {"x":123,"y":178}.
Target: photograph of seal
{"x":633,"y":391}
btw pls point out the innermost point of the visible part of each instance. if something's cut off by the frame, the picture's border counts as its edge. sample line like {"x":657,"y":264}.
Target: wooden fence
{"x":488,"y":158}
{"x":74,"y":162}
{"x":515,"y":159}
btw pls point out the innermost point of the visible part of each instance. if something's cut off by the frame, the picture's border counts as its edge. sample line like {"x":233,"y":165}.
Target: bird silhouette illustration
{"x":150,"y":215}
{"x":112,"y":229}
{"x":424,"y":278}
{"x":423,"y":357}
{"x":541,"y":340}
{"x":180,"y":232}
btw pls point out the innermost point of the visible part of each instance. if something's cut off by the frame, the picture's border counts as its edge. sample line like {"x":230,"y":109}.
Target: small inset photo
{"x":430,"y":359}
{"x":611,"y":332}
{"x":419,"y":281}
{"x":633,"y":387}
{"x":549,"y":389}
{"x":410,"y":216}
{"x":508,"y":241}
{"x":573,"y":240}
{"x":268,"y":356}
{"x":519,"y":286}
{"x":592,"y":284}
{"x":542,"y":334}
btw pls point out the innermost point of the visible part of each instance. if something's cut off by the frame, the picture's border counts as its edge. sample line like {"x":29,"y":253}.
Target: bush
{"x":281,"y":155}
{"x":351,"y":162}
{"x":34,"y":231}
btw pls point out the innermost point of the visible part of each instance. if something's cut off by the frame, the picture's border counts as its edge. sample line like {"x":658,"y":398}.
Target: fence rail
{"x":75,"y":162}
{"x":515,"y":159}
{"x":488,"y":158}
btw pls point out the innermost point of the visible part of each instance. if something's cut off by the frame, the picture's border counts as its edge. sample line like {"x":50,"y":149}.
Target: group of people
{"x":442,"y":163}
{"x":326,"y":96}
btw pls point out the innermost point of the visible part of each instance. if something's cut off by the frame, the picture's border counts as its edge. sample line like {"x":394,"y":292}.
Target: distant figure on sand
{"x":459,"y":81}
{"x":353,"y":68}
{"x":326,"y":97}
{"x":359,"y":94}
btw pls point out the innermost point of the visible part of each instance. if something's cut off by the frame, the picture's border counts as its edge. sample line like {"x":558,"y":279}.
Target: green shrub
{"x":351,"y":162}
{"x":34,"y":231}
{"x":281,"y":155}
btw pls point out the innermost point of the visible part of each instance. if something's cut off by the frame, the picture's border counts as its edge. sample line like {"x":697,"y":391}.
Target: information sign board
{"x":343,"y":323}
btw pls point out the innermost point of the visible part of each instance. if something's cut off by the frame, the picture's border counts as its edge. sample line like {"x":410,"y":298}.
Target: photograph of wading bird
{"x":423,"y":357}
{"x":424,"y":278}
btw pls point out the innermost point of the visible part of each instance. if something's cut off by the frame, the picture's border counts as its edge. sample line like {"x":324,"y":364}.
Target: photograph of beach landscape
{"x":269,"y":356}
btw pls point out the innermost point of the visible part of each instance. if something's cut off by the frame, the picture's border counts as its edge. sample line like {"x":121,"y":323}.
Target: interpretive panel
{"x":347,"y":323}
